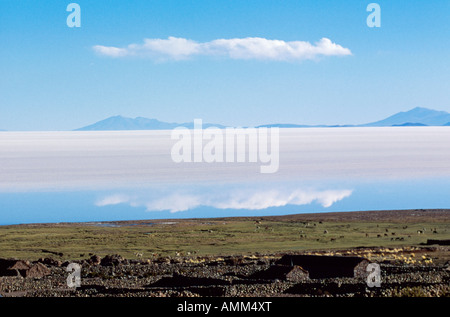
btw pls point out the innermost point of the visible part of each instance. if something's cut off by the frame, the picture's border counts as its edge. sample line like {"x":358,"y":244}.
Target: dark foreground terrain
{"x":256,"y":275}
{"x":317,"y":257}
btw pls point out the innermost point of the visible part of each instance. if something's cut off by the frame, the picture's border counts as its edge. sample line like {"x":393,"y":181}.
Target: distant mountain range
{"x":139,"y":123}
{"x":414,"y":117}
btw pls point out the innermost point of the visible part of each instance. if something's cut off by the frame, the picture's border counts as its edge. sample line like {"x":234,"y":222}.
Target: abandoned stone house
{"x":11,"y":267}
{"x":320,"y":266}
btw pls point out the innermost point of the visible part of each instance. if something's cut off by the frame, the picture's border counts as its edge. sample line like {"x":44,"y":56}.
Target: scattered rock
{"x":288,"y":273}
{"x":38,"y":270}
{"x":95,"y":260}
{"x":50,"y":261}
{"x":112,"y":260}
{"x":178,"y":280}
{"x":233,"y":260}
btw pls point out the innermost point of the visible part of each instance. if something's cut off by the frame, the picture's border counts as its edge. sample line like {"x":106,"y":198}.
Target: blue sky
{"x":51,"y":78}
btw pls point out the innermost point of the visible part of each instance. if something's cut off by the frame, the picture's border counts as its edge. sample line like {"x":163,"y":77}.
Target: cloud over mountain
{"x":248,"y":48}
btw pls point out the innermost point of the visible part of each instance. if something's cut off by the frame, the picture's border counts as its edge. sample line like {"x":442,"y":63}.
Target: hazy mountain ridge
{"x":415,"y":117}
{"x":139,"y":123}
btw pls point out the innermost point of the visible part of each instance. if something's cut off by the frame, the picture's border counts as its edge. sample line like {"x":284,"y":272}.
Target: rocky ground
{"x":408,"y":271}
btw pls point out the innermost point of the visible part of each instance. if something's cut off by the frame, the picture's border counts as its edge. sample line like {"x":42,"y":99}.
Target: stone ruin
{"x":322,"y":266}
{"x":12,"y":267}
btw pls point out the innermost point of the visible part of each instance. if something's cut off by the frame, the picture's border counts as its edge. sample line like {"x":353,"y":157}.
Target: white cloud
{"x":232,"y":199}
{"x":113,"y":200}
{"x":174,"y":203}
{"x":238,"y":48}
{"x":111,"y":51}
{"x":278,"y":198}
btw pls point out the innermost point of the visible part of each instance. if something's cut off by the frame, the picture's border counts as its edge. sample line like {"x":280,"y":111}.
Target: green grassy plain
{"x":226,"y":236}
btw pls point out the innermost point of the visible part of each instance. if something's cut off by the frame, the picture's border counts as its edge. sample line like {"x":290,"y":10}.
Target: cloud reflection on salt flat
{"x":230,"y":198}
